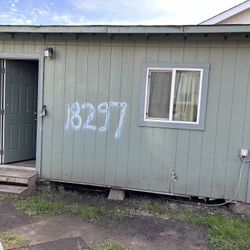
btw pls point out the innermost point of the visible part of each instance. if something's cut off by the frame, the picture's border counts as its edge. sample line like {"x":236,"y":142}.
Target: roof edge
{"x":129,"y":29}
{"x":227,"y":13}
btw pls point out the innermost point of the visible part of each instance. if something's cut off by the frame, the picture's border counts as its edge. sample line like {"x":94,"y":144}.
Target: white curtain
{"x":159,"y":97}
{"x":186,"y":96}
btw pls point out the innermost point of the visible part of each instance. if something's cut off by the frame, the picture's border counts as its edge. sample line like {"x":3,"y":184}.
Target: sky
{"x":113,"y":12}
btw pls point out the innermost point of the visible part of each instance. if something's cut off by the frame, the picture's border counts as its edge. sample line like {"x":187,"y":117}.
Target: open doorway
{"x":18,"y":127}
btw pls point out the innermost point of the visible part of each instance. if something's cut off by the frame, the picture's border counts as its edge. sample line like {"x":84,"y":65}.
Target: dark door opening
{"x":19,"y":85}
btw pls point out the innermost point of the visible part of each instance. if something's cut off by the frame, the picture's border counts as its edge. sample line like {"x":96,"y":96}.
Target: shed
{"x":161,"y":109}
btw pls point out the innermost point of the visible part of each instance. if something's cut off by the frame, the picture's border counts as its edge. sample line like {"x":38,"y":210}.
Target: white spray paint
{"x":104,"y":109}
{"x":74,"y":119}
{"x":122,"y":106}
{"x":90,"y":117}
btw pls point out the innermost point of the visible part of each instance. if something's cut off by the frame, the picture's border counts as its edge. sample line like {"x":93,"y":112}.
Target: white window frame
{"x":147,"y":94}
{"x":147,"y":121}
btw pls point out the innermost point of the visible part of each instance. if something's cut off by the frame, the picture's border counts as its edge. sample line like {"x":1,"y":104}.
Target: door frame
{"x":40,"y":58}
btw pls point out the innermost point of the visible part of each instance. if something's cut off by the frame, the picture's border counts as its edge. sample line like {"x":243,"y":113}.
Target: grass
{"x":92,"y":214}
{"x":110,"y":245}
{"x":39,"y":204}
{"x":12,"y":241}
{"x":99,"y":214}
{"x":224,"y":232}
{"x":53,"y":202}
{"x":155,"y":208}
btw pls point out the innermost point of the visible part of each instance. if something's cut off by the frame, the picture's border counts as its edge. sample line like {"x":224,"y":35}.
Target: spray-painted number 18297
{"x":75,"y":121}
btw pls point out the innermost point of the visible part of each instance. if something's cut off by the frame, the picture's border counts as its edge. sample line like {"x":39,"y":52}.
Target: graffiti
{"x":90,"y":117}
{"x":104,"y":109}
{"x":75,"y":121}
{"x":122,"y":106}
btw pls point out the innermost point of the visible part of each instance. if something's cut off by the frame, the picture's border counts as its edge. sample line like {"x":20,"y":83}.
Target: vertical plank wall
{"x":95,"y":72}
{"x":103,"y":71}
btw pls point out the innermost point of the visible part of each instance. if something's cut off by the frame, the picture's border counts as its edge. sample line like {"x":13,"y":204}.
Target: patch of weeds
{"x":39,"y":205}
{"x":93,"y":213}
{"x":13,"y":241}
{"x":155,"y":208}
{"x":99,"y":213}
{"x":118,"y":213}
{"x":89,"y":213}
{"x":225,"y":233}
{"x":110,"y":245}
{"x":11,"y":198}
{"x":185,"y":214}
{"x":61,"y":195}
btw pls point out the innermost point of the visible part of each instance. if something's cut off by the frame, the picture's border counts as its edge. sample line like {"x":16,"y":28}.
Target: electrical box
{"x":243,"y":152}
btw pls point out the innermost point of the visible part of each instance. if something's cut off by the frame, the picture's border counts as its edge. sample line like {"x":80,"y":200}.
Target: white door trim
{"x":40,"y":58}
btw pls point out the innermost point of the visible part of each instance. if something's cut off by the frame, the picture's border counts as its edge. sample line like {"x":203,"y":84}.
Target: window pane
{"x":186,"y":96}
{"x":159,"y":95}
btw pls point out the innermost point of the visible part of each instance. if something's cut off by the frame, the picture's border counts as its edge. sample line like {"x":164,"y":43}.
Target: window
{"x":174,"y":96}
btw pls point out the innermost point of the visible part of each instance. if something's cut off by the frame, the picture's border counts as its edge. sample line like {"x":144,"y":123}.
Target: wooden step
{"x":18,"y":190}
{"x":13,"y":167}
{"x":17,"y":180}
{"x":17,"y":174}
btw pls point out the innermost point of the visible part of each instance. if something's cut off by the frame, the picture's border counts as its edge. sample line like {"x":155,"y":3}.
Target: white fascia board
{"x":228,"y":13}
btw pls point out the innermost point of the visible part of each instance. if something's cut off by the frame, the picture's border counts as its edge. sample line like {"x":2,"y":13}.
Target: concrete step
{"x":17,"y":174}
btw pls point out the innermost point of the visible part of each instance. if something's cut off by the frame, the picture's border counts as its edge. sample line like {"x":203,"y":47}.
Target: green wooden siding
{"x":96,"y":71}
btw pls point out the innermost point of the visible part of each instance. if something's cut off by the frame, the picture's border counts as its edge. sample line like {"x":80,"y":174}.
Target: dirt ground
{"x":63,"y":231}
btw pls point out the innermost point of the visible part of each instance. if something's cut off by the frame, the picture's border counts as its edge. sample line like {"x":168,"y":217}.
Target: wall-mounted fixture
{"x":43,"y":111}
{"x":243,"y":153}
{"x":48,"y":53}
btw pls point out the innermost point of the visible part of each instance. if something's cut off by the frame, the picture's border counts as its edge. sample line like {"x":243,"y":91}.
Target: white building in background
{"x":239,"y":14}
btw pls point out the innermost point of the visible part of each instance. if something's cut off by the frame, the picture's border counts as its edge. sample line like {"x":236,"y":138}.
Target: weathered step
{"x":16,"y":174}
{"x":18,"y":190}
